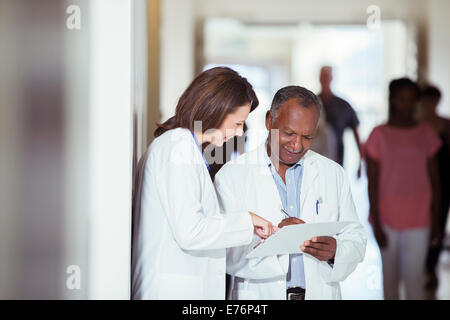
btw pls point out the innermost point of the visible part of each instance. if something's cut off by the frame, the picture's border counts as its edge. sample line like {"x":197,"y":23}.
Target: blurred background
{"x":83,"y":82}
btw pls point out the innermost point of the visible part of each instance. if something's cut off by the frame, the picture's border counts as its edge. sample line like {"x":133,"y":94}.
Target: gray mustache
{"x":299,"y":151}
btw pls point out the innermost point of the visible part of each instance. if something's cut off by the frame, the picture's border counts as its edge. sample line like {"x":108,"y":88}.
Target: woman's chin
{"x":218,"y":143}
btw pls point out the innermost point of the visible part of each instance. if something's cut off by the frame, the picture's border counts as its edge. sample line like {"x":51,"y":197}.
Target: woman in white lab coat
{"x":180,"y":235}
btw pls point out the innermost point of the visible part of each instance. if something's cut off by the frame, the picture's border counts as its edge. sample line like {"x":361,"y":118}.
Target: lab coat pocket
{"x":174,"y":286}
{"x":326,"y":212}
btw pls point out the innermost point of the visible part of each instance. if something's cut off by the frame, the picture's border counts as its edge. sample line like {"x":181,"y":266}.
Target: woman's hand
{"x":262,"y":227}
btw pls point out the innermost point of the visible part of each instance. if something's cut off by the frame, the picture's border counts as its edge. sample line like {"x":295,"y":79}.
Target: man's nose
{"x":296,"y":143}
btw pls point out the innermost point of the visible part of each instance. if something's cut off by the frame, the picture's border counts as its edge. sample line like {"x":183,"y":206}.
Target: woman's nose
{"x":239,"y":132}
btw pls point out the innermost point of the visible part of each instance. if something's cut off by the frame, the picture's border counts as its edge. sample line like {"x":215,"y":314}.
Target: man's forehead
{"x":286,"y":120}
{"x":291,"y":108}
{"x":305,"y":129}
{"x":291,"y":102}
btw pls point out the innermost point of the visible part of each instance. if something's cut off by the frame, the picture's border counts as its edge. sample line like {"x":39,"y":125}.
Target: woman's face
{"x":404,"y":103}
{"x":232,"y":125}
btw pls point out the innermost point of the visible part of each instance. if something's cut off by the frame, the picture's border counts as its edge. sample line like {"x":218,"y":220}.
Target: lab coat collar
{"x":310,"y":170}
{"x":269,"y":161}
{"x":308,"y":159}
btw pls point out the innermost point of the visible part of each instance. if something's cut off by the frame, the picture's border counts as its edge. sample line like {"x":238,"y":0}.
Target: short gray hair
{"x":304,"y":97}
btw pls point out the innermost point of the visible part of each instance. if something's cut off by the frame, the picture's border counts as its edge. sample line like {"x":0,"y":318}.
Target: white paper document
{"x":289,"y":239}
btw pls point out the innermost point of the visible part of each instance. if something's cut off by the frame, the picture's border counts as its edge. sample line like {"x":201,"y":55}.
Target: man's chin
{"x":289,"y":162}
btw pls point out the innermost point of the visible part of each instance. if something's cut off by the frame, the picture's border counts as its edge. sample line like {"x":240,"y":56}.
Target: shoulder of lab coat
{"x":351,"y":242}
{"x":177,"y":169}
{"x":229,"y":183}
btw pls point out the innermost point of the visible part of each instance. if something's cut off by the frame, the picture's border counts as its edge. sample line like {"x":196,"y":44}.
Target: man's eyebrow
{"x":288,"y":128}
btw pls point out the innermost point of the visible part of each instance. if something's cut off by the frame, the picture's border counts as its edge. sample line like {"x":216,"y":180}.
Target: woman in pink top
{"x":403,"y":190}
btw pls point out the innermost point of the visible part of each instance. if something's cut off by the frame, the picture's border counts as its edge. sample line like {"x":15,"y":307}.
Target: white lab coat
{"x":179,"y":233}
{"x":246,"y":183}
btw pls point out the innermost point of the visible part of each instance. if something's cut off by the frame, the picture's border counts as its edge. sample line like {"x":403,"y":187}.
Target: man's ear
{"x":268,"y":120}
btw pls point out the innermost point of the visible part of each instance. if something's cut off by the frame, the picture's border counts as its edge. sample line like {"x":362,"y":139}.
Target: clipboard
{"x":289,"y":239}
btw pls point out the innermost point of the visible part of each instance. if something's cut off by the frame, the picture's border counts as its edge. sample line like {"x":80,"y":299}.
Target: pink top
{"x":404,"y":196}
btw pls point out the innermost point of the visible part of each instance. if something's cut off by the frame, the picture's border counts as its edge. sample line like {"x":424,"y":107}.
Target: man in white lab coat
{"x":287,"y":183}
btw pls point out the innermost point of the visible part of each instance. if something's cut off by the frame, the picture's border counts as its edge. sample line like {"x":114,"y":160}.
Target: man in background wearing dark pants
{"x":339,"y":114}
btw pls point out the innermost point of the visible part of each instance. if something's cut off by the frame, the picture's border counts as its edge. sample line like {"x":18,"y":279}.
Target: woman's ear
{"x":268,"y":120}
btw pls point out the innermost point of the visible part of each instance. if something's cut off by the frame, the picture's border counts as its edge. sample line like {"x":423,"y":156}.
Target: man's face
{"x":296,"y":127}
{"x":326,"y":76}
{"x":429,"y":104}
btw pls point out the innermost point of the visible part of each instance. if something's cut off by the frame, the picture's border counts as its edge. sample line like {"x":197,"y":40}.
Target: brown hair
{"x":211,"y":96}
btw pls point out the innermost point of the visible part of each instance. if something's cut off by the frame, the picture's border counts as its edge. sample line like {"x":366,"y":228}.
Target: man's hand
{"x":322,"y":248}
{"x":290,"y":221}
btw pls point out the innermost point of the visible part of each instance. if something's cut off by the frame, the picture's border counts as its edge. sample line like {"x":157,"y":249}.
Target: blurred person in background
{"x":324,"y":141}
{"x":403,"y":190}
{"x":179,"y":233}
{"x":429,"y":102}
{"x":339,"y":114}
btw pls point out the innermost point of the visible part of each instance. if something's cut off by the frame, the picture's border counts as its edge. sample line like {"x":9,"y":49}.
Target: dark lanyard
{"x":199,"y":148}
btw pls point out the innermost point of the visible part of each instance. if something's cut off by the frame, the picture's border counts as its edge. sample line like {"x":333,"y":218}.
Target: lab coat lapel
{"x":267,"y":185}
{"x":271,"y":199}
{"x":307,"y":191}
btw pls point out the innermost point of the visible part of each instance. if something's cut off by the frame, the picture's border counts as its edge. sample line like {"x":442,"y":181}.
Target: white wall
{"x":439,"y":50}
{"x":177,"y":52}
{"x":110,"y":149}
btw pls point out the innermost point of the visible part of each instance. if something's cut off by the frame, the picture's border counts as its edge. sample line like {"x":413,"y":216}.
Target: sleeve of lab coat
{"x":180,"y":185}
{"x":351,"y":242}
{"x":230,"y":199}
